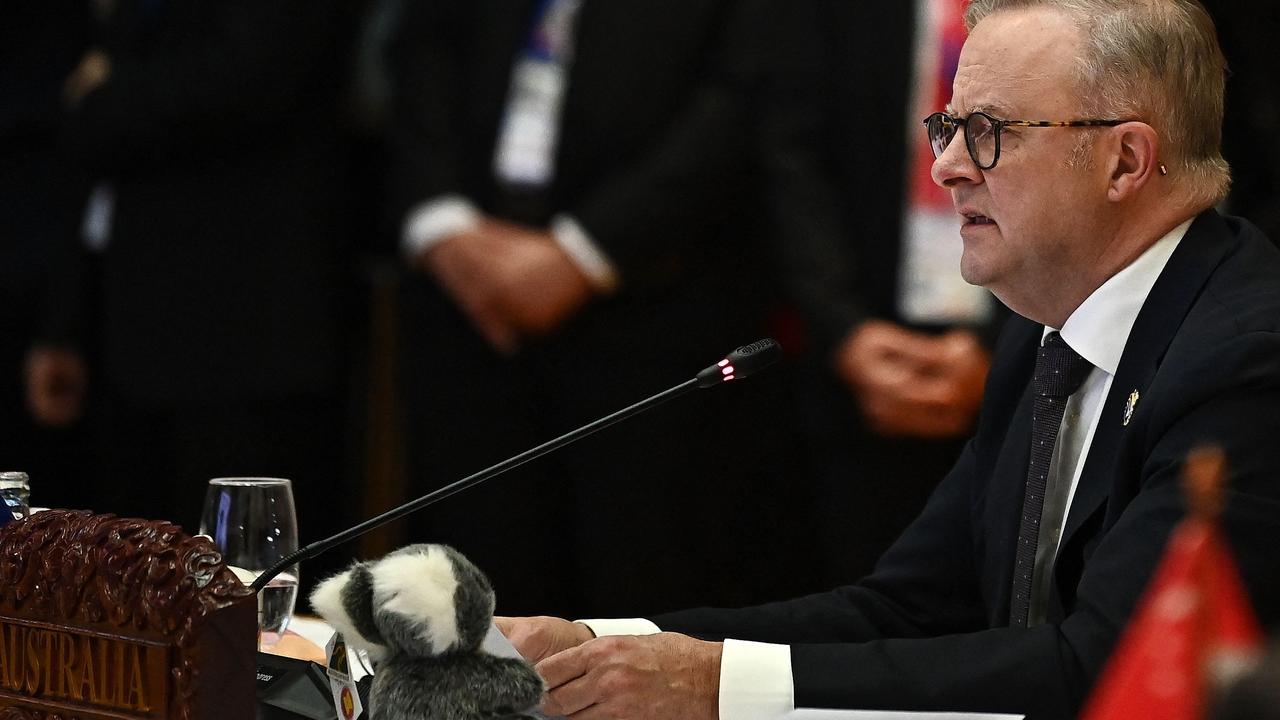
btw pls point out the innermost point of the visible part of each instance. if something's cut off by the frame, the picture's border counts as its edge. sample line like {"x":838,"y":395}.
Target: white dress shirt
{"x":755,"y":678}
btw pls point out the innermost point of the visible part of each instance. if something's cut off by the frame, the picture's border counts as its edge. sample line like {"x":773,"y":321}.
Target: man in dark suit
{"x":212,"y":293}
{"x":897,"y":353}
{"x":1150,"y":324}
{"x":41,"y":192}
{"x":578,"y":203}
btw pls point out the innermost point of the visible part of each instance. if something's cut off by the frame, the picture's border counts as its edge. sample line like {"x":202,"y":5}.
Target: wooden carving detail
{"x":145,"y":578}
{"x":14,"y":713}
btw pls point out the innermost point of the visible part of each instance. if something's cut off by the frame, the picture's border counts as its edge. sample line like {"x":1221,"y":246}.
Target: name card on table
{"x":106,"y":618}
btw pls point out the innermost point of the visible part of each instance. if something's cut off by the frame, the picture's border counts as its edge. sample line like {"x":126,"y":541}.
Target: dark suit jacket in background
{"x":654,"y":160}
{"x":41,"y":196}
{"x":837,"y":159}
{"x":928,"y":629}
{"x":650,"y":155}
{"x":216,"y":307}
{"x":217,"y":130}
{"x":832,"y":130}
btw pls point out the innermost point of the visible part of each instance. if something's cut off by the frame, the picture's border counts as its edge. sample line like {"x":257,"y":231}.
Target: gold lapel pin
{"x":1130,"y":405}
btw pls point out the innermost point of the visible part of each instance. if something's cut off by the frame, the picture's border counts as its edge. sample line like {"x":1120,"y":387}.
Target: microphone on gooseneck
{"x":742,"y":363}
{"x":737,"y":365}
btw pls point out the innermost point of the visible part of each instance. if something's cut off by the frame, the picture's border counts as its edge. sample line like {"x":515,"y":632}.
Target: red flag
{"x":1193,"y":630}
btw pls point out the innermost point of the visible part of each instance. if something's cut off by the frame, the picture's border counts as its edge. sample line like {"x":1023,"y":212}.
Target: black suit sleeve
{"x":794,"y":125}
{"x":679,"y":188}
{"x":925,"y":584}
{"x":869,"y":646}
{"x":43,"y":191}
{"x":430,"y":96}
{"x":693,"y":177}
{"x":910,"y":636}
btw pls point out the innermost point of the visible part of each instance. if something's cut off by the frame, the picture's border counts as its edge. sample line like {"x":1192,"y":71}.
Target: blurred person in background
{"x":41,"y":194}
{"x":212,"y":255}
{"x":581,"y":209}
{"x":898,"y":341}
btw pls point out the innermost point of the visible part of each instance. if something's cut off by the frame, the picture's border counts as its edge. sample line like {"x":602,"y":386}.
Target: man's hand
{"x":537,"y":638}
{"x":539,"y":286}
{"x":509,"y":280}
{"x":656,"y":677}
{"x":56,"y":383}
{"x":461,"y":265}
{"x":913,"y":384}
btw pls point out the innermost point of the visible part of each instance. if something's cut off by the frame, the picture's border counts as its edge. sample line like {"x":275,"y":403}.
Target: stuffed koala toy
{"x":422,"y":613}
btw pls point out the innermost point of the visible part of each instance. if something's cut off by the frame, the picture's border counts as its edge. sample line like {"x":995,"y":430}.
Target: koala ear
{"x":345,"y":601}
{"x":413,"y":592}
{"x":474,"y":600}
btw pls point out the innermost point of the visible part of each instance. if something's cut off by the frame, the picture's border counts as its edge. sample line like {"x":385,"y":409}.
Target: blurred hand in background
{"x":909,"y":383}
{"x":511,"y":281}
{"x":57,"y":379}
{"x":93,"y":70}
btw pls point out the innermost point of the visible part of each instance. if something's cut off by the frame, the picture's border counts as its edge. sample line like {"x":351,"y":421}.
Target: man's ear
{"x":1135,"y":159}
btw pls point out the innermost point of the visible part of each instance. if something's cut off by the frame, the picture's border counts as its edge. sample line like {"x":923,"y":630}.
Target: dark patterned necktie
{"x":1059,"y":373}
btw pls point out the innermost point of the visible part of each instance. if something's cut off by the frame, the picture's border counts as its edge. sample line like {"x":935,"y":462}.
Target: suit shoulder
{"x":1242,"y":294}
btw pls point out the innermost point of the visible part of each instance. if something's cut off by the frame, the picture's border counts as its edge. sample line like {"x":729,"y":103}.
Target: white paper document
{"x":809,"y":714}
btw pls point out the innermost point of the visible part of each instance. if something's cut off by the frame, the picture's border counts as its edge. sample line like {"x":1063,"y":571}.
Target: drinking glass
{"x":253,"y":523}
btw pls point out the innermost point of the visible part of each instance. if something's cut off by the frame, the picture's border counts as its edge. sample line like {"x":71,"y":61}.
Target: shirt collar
{"x":1099,"y":328}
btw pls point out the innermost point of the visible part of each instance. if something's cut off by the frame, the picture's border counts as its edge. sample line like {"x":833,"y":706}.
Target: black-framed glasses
{"x":982,"y":133}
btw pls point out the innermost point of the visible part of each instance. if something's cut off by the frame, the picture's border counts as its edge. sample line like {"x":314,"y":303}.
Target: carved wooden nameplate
{"x":106,"y":618}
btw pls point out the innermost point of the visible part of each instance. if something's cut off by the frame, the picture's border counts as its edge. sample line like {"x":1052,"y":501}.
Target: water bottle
{"x":15,"y":490}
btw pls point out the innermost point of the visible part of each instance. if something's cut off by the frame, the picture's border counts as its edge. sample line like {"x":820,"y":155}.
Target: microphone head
{"x":743,"y":362}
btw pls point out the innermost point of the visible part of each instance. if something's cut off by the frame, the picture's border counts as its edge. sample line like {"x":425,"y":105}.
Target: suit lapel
{"x":1161,"y":315}
{"x":1004,"y":506}
{"x":1004,"y":455}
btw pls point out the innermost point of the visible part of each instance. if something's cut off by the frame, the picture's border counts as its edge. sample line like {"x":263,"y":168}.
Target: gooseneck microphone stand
{"x":738,"y":364}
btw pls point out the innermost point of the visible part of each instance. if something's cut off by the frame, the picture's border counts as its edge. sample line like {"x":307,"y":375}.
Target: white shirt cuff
{"x":621,"y":626}
{"x":755,"y":681}
{"x":755,"y":678}
{"x":590,"y":259}
{"x":434,"y":220}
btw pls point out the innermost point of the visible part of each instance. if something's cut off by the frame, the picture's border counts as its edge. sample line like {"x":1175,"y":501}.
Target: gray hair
{"x":1154,"y":60}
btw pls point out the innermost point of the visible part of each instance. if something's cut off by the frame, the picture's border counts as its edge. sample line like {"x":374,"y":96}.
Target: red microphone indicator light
{"x":742,"y":362}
